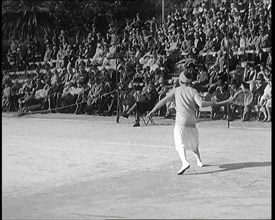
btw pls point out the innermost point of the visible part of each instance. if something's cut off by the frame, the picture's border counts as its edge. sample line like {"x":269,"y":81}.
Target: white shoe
{"x":200,"y":164}
{"x":183,"y":169}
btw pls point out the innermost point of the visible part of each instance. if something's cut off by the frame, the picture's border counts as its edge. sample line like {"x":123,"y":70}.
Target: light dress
{"x":185,"y":131}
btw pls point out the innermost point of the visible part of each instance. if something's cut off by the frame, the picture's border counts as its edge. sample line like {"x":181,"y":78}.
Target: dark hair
{"x":188,"y":73}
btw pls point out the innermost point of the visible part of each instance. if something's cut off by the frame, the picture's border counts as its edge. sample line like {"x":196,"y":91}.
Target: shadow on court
{"x":234,"y":166}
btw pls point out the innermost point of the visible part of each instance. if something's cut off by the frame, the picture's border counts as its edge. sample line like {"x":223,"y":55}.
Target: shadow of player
{"x":234,"y":166}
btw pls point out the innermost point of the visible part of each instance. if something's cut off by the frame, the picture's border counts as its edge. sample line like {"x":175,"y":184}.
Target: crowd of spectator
{"x":140,"y":61}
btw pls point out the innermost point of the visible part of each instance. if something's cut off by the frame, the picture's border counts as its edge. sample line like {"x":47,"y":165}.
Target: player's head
{"x":185,"y":77}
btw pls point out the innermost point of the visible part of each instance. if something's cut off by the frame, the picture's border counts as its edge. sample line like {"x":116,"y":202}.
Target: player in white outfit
{"x":185,"y":131}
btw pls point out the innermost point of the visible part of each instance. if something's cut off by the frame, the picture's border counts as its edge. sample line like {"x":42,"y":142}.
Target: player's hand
{"x":215,"y":103}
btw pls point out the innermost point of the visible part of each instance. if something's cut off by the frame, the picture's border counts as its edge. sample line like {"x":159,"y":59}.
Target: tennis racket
{"x":240,"y":98}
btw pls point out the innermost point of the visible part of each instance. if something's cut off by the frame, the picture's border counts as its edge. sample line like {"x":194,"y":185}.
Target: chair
{"x":150,"y":119}
{"x":206,"y":111}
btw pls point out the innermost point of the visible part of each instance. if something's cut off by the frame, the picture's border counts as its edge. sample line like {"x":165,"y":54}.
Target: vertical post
{"x":117,"y":93}
{"x":162,"y":13}
{"x":227,"y":69}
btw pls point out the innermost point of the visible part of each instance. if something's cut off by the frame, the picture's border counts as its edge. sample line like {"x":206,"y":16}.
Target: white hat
{"x":185,"y":77}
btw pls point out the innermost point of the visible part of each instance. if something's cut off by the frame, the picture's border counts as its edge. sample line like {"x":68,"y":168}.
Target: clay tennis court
{"x":58,"y":166}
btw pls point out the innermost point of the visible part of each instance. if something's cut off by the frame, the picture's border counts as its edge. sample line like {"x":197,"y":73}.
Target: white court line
{"x":89,"y":142}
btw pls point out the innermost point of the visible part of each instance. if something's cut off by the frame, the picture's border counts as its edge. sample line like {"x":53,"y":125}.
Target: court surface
{"x":58,"y":166}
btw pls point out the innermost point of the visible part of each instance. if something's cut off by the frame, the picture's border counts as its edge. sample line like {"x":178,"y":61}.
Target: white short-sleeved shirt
{"x":186,"y":99}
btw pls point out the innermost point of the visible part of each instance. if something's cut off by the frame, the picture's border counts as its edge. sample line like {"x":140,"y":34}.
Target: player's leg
{"x":180,"y":149}
{"x":198,"y":157}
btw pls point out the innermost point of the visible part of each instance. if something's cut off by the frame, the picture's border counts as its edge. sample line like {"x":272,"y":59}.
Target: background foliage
{"x":74,"y":15}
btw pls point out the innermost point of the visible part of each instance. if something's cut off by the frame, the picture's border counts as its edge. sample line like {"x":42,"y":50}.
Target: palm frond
{"x":24,"y":17}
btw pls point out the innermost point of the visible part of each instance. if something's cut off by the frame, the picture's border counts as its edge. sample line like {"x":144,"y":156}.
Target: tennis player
{"x":185,"y":132}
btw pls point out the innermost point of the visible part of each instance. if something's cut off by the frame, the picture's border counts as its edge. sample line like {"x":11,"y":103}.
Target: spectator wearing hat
{"x":258,"y":86}
{"x":250,"y":75}
{"x":221,"y":94}
{"x":144,"y":102}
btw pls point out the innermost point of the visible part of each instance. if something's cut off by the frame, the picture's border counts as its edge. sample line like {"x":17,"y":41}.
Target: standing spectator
{"x":37,"y":50}
{"x":48,"y":53}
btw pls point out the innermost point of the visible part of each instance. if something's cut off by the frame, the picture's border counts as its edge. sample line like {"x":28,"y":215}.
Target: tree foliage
{"x":29,"y":17}
{"x":26,"y":18}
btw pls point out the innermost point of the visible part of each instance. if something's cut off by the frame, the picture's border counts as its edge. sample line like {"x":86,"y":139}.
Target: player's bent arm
{"x":162,"y":102}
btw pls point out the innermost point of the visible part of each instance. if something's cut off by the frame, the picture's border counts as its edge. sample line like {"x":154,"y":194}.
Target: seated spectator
{"x":144,"y":102}
{"x":266,"y":100}
{"x":54,"y":52}
{"x":97,"y":59}
{"x":198,"y":43}
{"x":201,"y":84}
{"x":251,"y":41}
{"x":60,"y":57}
{"x":260,"y":57}
{"x":269,"y":59}
{"x":208,"y":46}
{"x":221,"y":94}
{"x":257,"y":89}
{"x":249,"y":73}
{"x":261,"y":41}
{"x":6,"y":97}
{"x":186,"y":44}
{"x":243,"y":41}
{"x":94,"y":99}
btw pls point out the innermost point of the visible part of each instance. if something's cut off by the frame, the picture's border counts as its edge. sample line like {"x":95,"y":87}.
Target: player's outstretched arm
{"x":229,"y":100}
{"x":162,"y":102}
